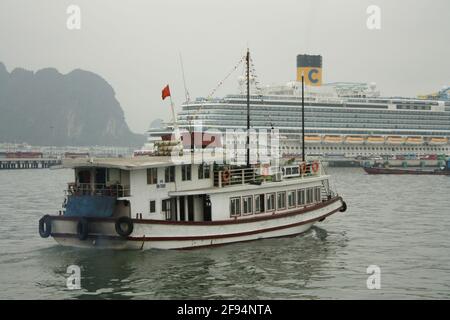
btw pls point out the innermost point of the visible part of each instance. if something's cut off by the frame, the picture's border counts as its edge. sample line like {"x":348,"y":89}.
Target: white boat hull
{"x":160,"y":234}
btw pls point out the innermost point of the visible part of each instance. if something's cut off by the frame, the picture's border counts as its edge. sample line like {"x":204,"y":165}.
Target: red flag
{"x":165,"y":92}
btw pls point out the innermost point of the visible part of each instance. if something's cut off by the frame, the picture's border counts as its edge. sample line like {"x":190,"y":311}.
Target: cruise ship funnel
{"x":311,"y":67}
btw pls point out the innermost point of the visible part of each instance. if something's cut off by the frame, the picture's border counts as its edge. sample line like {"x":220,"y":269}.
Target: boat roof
{"x":130,"y":163}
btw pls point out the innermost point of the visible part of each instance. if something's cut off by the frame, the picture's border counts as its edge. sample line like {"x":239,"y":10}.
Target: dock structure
{"x":28,"y":163}
{"x":349,"y":162}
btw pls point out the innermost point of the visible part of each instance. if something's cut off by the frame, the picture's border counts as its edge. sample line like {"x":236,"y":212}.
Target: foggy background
{"x":135,"y":45}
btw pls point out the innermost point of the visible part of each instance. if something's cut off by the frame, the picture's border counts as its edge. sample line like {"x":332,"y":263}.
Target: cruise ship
{"x":347,"y":119}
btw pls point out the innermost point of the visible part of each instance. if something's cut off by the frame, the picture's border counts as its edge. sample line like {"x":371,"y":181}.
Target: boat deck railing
{"x":98,"y":189}
{"x":257,"y":175}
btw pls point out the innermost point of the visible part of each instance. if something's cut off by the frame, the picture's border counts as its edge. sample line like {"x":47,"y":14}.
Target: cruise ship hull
{"x":339,"y":119}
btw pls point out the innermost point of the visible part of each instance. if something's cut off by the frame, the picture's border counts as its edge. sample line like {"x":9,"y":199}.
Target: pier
{"x":30,"y":163}
{"x":349,"y":162}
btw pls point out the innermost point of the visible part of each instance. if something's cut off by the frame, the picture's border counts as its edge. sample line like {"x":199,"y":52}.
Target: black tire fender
{"x":83,"y":229}
{"x":344,"y":207}
{"x":124,"y":232}
{"x":45,"y":226}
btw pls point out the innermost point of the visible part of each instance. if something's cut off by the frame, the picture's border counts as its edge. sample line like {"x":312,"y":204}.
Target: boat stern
{"x":86,"y":232}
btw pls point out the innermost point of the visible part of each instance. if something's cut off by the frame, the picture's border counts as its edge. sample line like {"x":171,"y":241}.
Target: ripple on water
{"x":398,"y":223}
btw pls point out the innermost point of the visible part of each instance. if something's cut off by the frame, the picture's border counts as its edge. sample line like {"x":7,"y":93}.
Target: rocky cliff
{"x":50,"y":108}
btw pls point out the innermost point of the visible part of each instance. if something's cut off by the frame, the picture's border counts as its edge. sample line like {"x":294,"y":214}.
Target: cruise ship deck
{"x":340,"y":118}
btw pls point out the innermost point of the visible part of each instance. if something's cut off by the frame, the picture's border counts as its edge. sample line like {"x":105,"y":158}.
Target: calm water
{"x":400,"y":223}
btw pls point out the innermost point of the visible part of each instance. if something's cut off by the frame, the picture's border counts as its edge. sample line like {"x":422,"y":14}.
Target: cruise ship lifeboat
{"x":333,"y":139}
{"x":438,"y":141}
{"x":375,"y":140}
{"x":313,"y":139}
{"x":354,"y":139}
{"x":395,"y":140}
{"x":414,"y":140}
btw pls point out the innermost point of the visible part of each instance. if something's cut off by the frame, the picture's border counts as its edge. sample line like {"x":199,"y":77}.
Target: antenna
{"x":248,"y":107}
{"x":303,"y":118}
{"x":186,"y":92}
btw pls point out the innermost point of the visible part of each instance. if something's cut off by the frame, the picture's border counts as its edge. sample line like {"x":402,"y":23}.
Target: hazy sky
{"x":135,"y":45}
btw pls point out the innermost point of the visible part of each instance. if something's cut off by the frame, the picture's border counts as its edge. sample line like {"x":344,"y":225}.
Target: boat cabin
{"x":156,"y":188}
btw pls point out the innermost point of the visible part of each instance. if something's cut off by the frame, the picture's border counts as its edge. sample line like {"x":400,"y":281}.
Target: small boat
{"x":333,"y":139}
{"x":395,"y":140}
{"x":152,"y":202}
{"x":354,"y":139}
{"x":313,"y":139}
{"x":438,"y":141}
{"x":414,"y":140}
{"x":375,"y":139}
{"x":386,"y":170}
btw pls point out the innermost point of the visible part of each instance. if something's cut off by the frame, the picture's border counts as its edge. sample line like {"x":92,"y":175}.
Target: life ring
{"x":45,"y":226}
{"x":83,"y":229}
{"x":315,"y":166}
{"x":302,"y":167}
{"x":226,"y":176}
{"x":120,"y":222}
{"x":344,"y":207}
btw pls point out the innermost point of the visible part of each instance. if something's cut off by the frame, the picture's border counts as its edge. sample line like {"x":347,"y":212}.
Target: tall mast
{"x":248,"y":107}
{"x":303,"y":118}
{"x":174,"y":117}
{"x":186,"y":92}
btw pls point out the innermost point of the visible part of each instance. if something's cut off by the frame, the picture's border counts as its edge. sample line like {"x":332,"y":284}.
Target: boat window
{"x":152,"y":206}
{"x":152,"y":176}
{"x":301,"y":197}
{"x":317,"y":196}
{"x":235,"y":206}
{"x":84,"y":176}
{"x":165,"y":208}
{"x":259,"y":203}
{"x":281,"y":200}
{"x":186,"y":172}
{"x":291,"y":198}
{"x":169,"y":174}
{"x":309,"y":195}
{"x":270,"y":201}
{"x":100,"y":175}
{"x":204,"y":171}
{"x":247,"y":205}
